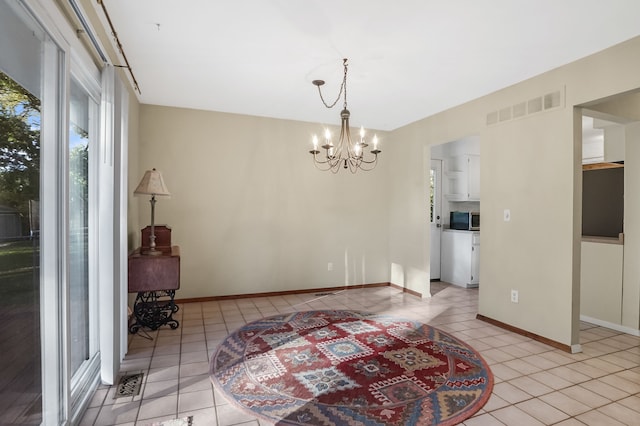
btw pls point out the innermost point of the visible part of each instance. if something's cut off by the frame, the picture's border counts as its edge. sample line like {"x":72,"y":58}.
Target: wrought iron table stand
{"x":154,"y":309}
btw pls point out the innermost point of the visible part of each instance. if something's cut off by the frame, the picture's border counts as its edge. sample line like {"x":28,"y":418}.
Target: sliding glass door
{"x":50,"y":358}
{"x":20,"y":359}
{"x":20,"y":175}
{"x":83,"y":119}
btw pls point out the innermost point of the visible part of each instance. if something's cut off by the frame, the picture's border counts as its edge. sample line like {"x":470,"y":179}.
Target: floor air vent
{"x":129,"y":385}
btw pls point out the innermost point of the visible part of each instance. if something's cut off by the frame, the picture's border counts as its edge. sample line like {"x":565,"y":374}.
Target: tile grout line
{"x":420,"y":311}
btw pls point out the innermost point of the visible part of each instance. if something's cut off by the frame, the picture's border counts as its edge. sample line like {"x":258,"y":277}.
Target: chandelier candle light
{"x":152,"y":184}
{"x":347,"y":153}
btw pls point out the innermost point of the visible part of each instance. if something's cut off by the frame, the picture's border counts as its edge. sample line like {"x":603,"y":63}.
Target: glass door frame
{"x":435,"y":217}
{"x":85,"y":379}
{"x":64,"y":398}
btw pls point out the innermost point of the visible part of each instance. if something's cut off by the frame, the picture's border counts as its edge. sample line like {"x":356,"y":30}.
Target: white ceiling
{"x":408,"y":59}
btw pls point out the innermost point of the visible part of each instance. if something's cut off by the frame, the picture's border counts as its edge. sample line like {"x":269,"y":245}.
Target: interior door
{"x":435,"y":212}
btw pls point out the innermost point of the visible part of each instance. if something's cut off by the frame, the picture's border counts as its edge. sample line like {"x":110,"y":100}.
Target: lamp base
{"x":163,"y":238}
{"x":152,"y":252}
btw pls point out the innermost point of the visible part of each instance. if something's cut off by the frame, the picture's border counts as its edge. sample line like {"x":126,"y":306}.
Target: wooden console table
{"x":155,"y":279}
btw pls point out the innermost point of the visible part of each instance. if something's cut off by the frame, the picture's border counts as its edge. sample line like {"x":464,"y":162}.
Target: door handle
{"x":438,"y":225}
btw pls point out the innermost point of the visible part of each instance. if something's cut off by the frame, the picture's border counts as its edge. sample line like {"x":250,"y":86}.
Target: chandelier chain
{"x":343,"y":88}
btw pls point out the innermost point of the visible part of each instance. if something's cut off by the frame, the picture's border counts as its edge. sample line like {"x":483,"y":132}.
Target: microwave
{"x":465,"y":221}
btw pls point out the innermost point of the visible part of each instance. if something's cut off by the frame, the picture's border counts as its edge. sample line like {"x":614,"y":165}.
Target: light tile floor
{"x":535,"y":384}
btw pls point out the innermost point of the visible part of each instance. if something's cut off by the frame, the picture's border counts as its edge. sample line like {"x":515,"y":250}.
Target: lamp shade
{"x":152,"y":184}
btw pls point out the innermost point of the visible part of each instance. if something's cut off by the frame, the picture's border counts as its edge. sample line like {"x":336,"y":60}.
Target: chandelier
{"x":346,"y":153}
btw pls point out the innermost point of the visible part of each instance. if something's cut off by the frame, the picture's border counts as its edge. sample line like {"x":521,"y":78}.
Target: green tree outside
{"x":19,"y":148}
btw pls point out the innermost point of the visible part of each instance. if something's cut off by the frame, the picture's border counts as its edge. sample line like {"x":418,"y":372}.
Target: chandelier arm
{"x":368,"y":167}
{"x":318,"y":166}
{"x":325,"y":165}
{"x":353,"y":168}
{"x":375,"y":159}
{"x":356,"y":163}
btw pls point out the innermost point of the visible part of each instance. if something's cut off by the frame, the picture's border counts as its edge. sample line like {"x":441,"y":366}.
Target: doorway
{"x":610,"y":153}
{"x":454,"y":185}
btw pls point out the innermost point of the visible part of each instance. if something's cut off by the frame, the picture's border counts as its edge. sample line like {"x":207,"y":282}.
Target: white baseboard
{"x":611,"y":325}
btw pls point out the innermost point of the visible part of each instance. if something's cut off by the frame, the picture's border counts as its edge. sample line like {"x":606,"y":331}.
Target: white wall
{"x":250,"y":211}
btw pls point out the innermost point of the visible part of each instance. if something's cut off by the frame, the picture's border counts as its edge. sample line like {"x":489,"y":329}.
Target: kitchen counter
{"x":458,"y":230}
{"x":604,"y":240}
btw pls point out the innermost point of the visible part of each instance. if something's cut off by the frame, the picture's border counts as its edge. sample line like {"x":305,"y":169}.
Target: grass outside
{"x":19,"y":273}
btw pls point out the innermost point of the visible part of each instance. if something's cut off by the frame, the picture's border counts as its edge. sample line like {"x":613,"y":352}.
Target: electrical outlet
{"x":514,"y":296}
{"x":330,"y":266}
{"x":507,"y":215}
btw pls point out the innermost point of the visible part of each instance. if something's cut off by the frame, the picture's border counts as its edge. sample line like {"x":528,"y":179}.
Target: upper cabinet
{"x":462,"y":176}
{"x":602,"y":140}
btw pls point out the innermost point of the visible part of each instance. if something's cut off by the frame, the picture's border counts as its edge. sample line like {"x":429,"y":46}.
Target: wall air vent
{"x":520,"y":110}
{"x":492,"y":118}
{"x":526,"y":108}
{"x":505,"y":114}
{"x":535,"y":105}
{"x":552,"y":100}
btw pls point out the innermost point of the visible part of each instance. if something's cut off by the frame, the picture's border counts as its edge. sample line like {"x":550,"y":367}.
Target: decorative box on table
{"x":163,"y":238}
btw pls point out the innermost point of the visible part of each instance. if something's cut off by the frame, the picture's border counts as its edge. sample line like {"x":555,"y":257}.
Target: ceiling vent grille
{"x":526,"y":108}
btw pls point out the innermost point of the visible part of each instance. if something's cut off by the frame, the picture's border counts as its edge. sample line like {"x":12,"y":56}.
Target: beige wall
{"x":251,"y":213}
{"x":531,"y":166}
{"x":631,"y":271}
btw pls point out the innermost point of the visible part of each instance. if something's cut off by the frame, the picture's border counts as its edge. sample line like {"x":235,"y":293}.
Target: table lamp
{"x":152,"y":184}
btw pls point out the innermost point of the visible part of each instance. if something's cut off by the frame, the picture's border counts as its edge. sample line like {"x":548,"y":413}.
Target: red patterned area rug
{"x":350,"y":368}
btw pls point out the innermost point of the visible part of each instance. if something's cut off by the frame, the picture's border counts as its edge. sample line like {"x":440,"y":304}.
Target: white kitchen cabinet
{"x":460,"y":257}
{"x":475,"y":260}
{"x":462,"y":173}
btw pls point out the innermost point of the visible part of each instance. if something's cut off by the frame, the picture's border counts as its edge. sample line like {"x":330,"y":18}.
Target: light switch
{"x":507,"y":215}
